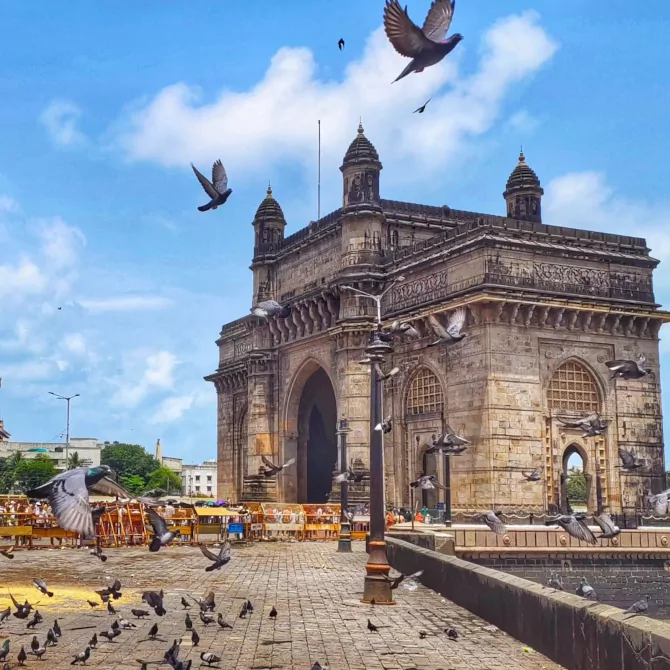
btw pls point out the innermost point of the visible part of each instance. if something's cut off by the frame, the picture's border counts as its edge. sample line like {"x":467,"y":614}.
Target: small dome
{"x":269,"y":209}
{"x":361,"y":150}
{"x":522,"y":177}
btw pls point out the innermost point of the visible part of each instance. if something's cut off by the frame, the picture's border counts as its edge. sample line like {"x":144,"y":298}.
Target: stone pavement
{"x":315,"y":590}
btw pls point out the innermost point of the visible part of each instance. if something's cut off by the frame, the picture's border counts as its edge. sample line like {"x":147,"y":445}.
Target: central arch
{"x":311,"y":439}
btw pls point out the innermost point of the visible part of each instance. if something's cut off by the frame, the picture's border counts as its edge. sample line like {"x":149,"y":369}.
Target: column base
{"x":344,"y":540}
{"x":376,"y":588}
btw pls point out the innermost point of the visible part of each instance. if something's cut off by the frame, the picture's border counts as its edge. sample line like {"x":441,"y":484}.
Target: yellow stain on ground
{"x":65,"y":599}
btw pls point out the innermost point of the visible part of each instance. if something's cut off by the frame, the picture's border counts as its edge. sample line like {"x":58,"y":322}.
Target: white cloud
{"x":277,"y":119}
{"x":27,"y":371}
{"x":60,"y":243}
{"x":8,"y":205}
{"x":171,"y":409}
{"x":61,"y":120}
{"x":74,"y":343}
{"x":523,"y":122}
{"x":129,"y":303}
{"x":157,"y":376}
{"x":21,"y":278}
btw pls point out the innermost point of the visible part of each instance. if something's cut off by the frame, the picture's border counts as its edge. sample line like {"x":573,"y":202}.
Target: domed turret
{"x":269,"y":222}
{"x":361,"y":150}
{"x":360,"y":172}
{"x":523,"y":193}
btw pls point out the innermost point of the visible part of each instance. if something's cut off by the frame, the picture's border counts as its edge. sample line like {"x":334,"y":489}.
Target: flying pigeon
{"x":218,"y":560}
{"x":586,"y":590}
{"x":450,"y":334}
{"x":383,"y":376}
{"x":273,"y":469}
{"x":22,"y":611}
{"x":427,"y":483}
{"x":349,"y":476}
{"x":425,"y":46}
{"x":639,"y":607}
{"x":533,"y":476}
{"x":41,"y":586}
{"x":386,"y":426}
{"x":68,"y":496}
{"x":628,"y":460}
{"x":207,"y":604}
{"x":573,"y":527}
{"x":397,"y":581}
{"x":340,"y":44}
{"x":162,"y":534}
{"x":659,"y":501}
{"x":217,"y":189}
{"x":625,"y":369}
{"x":609,"y":529}
{"x":269,"y":308}
{"x":422,"y":109}
{"x":209,"y":658}
{"x":8,"y":552}
{"x":592,"y":425}
{"x":398,"y":328}
{"x":491,"y":519}
{"x":555,"y":582}
{"x":155,"y":601}
{"x":450,"y":443}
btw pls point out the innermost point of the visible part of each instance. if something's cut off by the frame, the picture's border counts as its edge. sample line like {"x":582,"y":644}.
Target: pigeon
{"x":207,"y":604}
{"x":92,"y":604}
{"x":533,"y":476}
{"x":555,"y":582}
{"x":155,"y":601}
{"x":659,"y":502}
{"x":218,"y":560}
{"x":383,"y":376}
{"x":269,"y":308}
{"x":110,"y":634}
{"x":5,"y":614}
{"x":222,"y":622}
{"x":82,"y":656}
{"x":37,"y":618}
{"x":386,"y":426}
{"x":51,"y":638}
{"x":427,"y":483}
{"x":491,"y":519}
{"x":153,"y":631}
{"x":592,"y":425}
{"x":171,"y":654}
{"x":139,"y":613}
{"x":97,"y":552}
{"x":206,"y":619}
{"x":94,"y":641}
{"x":396,"y":581}
{"x":625,"y":369}
{"x":425,"y":46}
{"x":402,"y":329}
{"x":124,"y":623}
{"x":195,"y":638}
{"x":273,"y":613}
{"x":317,"y":666}
{"x":607,"y":526}
{"x":4,"y":650}
{"x":185,"y":603}
{"x":110,"y":608}
{"x":22,"y":656}
{"x":452,"y":633}
{"x":188,"y":622}
{"x":56,"y":629}
{"x":162,"y":534}
{"x":573,"y":527}
{"x":243,"y":612}
{"x":8,"y":552}
{"x":450,"y":334}
{"x":22,"y":611}
{"x":585,"y":590}
{"x":371,"y":627}
{"x":217,"y":189}
{"x":628,"y":460}
{"x":273,"y":469}
{"x":422,"y":109}
{"x":349,"y":476}
{"x":68,"y":496}
{"x":449,"y":444}
{"x":639,"y":607}
{"x":209,"y":658}
{"x":249,"y":606}
{"x":34,"y":644}
{"x":340,"y":44}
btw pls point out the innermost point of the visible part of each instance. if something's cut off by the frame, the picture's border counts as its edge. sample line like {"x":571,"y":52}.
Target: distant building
{"x":199,"y":480}
{"x":87,"y":448}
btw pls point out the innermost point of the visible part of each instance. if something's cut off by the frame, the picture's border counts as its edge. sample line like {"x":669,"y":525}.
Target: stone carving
{"x":569,"y":274}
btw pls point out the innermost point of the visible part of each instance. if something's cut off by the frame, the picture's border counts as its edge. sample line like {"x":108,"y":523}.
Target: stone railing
{"x":578,"y":634}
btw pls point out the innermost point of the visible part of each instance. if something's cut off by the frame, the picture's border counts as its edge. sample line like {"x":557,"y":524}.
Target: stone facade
{"x":546,"y":307}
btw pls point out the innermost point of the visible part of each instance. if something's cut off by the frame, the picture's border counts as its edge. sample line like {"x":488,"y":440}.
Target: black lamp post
{"x":344,"y":539}
{"x":447,"y":490}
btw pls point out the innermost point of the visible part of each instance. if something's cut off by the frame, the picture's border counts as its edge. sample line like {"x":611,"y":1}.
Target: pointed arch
{"x":574,"y":388}
{"x":295,"y":387}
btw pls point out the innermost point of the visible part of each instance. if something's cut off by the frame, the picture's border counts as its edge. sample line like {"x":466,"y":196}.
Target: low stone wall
{"x":576,"y":633}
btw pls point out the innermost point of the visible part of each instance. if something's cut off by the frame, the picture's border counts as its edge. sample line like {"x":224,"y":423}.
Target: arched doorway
{"x":575,"y":481}
{"x":316,"y":439}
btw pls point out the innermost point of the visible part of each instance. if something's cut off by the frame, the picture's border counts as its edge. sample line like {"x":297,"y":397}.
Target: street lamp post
{"x":67,"y":424}
{"x":447,"y":490}
{"x":344,"y":539}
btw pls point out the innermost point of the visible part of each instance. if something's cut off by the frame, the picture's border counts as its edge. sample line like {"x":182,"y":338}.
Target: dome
{"x":522,"y":177}
{"x":361,"y":150}
{"x":269,"y":209}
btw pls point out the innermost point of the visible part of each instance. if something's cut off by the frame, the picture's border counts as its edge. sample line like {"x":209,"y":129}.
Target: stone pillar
{"x":225,"y":442}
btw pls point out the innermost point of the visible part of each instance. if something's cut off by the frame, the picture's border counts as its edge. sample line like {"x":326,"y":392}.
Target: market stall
{"x":222,"y":522}
{"x":283,"y":521}
{"x":322,"y":522}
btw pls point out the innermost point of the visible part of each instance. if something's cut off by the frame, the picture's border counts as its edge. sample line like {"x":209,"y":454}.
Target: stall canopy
{"x":215,"y":511}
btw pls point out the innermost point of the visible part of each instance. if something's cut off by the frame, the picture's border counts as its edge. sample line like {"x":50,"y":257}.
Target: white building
{"x":199,"y":480}
{"x":87,"y":448}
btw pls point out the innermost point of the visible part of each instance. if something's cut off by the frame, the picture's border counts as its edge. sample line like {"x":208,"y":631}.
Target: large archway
{"x":575,"y":480}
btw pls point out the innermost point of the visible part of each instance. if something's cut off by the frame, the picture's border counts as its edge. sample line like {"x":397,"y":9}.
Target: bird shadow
{"x":267,"y":643}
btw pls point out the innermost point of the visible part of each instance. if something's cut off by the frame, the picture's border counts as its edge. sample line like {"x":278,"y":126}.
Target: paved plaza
{"x":315,"y":590}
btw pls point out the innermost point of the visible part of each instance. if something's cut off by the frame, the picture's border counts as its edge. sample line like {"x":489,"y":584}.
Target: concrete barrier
{"x":576,"y":633}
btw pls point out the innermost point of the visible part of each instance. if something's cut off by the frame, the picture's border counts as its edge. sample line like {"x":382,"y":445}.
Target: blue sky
{"x":103,"y":109}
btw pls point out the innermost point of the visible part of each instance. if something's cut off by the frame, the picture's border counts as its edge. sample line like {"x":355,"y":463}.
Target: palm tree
{"x":74,"y":461}
{"x":15,"y":460}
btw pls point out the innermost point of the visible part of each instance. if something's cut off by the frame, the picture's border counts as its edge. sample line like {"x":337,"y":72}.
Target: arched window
{"x":425,"y":394}
{"x":572,"y":389}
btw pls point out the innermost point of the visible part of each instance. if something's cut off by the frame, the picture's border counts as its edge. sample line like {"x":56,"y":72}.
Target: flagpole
{"x":318,"y":188}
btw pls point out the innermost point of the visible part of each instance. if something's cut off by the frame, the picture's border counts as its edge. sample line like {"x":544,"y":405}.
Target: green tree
{"x":34,"y":472}
{"x":128,"y":459}
{"x":6,"y":475}
{"x":164,"y":478}
{"x":576,"y":485}
{"x":134,"y":483}
{"x":74,"y":461}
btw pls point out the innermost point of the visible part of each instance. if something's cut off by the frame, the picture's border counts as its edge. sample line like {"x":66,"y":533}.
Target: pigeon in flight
{"x":628,"y":460}
{"x":155,"y":601}
{"x":625,"y":369}
{"x":609,"y":529}
{"x":340,"y":44}
{"x":217,"y":189}
{"x":218,"y":560}
{"x":382,"y":376}
{"x":639,"y":607}
{"x":427,"y":483}
{"x":349,"y":475}
{"x":386,"y":426}
{"x":586,"y":590}
{"x":573,"y":527}
{"x":592,"y":425}
{"x":401,"y":579}
{"x":422,"y":109}
{"x":269,"y":308}
{"x":162,"y":534}
{"x":8,"y":552}
{"x":400,"y":328}
{"x":273,"y":469}
{"x":425,"y":46}
{"x":68,"y":496}
{"x":41,"y":586}
{"x":555,"y":582}
{"x":491,"y":519}
{"x":450,"y":334}
{"x":449,"y":444}
{"x":533,"y":476}
{"x":659,"y":502}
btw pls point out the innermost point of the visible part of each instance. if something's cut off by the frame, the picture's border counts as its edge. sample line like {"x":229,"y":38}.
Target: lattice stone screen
{"x":425,"y":394}
{"x":573,"y":390}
